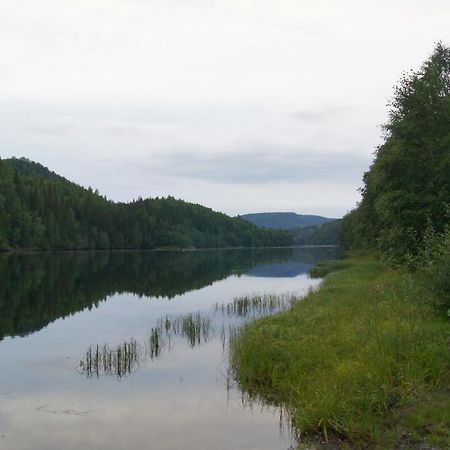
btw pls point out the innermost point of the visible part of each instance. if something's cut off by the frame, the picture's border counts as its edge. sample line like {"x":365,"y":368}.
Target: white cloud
{"x":208,"y":93}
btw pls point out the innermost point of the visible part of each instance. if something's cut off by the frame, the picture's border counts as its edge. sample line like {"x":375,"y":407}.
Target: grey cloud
{"x":319,"y":115}
{"x":261,"y":167}
{"x":121,"y":130}
{"x":48,"y":130}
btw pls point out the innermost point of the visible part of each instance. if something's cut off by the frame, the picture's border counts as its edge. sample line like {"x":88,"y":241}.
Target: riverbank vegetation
{"x":406,"y":192}
{"x":366,"y":358}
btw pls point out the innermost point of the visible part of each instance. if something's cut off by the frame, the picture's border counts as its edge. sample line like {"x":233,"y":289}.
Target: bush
{"x":435,"y":260}
{"x":323,"y":268}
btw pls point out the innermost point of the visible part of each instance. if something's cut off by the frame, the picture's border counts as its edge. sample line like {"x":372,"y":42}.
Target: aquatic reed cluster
{"x":126,"y":357}
{"x":250,"y":306}
{"x":195,"y":328}
{"x":118,"y":361}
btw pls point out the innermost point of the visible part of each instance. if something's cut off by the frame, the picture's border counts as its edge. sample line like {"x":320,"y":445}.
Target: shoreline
{"x":360,"y":363}
{"x":180,"y":249}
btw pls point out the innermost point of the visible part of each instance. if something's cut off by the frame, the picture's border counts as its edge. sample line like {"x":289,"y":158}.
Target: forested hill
{"x":325,"y":234}
{"x":42,"y":210}
{"x":284,"y":220}
{"x":26,"y":167}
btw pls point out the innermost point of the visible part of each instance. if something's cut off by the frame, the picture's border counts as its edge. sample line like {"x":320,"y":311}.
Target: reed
{"x":193,"y":327}
{"x":251,"y":306}
{"x":156,"y":342}
{"x":118,"y":361}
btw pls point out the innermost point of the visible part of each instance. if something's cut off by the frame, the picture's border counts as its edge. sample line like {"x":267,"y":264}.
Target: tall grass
{"x":118,"y":361}
{"x":365,"y":358}
{"x":125,"y":358}
{"x":250,"y":306}
{"x":156,"y":342}
{"x":194,"y":328}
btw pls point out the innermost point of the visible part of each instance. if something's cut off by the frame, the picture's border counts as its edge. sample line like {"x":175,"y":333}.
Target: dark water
{"x":129,"y":350}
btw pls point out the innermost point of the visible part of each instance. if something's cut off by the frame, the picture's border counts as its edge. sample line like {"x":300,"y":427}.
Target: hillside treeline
{"x":405,"y":208}
{"x":323,"y":234}
{"x":41,"y":210}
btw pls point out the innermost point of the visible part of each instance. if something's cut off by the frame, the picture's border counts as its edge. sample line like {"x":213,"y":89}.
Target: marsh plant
{"x":250,"y":306}
{"x":156,"y":343}
{"x":194,"y":328}
{"x":125,"y":358}
{"x":118,"y":361}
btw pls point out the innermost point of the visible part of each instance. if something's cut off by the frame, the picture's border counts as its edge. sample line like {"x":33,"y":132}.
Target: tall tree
{"x":407,"y":189}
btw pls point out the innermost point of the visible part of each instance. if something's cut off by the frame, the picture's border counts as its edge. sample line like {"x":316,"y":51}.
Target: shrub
{"x":435,"y":260}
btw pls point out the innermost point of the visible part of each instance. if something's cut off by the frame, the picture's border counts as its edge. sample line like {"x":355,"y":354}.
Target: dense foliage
{"x":406,"y":193}
{"x":39,"y":209}
{"x":434,"y":260}
{"x":324,"y":234}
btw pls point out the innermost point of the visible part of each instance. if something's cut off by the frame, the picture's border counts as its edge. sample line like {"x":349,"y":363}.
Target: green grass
{"x":323,"y":268}
{"x":364,"y":359}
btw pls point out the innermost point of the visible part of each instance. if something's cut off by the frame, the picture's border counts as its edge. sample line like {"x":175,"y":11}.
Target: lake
{"x":128,"y":350}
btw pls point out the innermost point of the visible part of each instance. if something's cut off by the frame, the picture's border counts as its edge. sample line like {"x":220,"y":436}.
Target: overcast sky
{"x":240,"y":105}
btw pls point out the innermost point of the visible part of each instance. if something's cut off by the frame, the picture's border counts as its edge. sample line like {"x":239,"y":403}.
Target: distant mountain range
{"x":284,"y":220}
{"x":304,"y":229}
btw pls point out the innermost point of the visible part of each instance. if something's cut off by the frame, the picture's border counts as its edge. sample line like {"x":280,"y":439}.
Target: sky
{"x":240,"y":105}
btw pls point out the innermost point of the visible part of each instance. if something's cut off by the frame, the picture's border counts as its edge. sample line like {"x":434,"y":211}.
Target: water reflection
{"x":37,"y":289}
{"x":158,"y":322}
{"x":193,"y":328}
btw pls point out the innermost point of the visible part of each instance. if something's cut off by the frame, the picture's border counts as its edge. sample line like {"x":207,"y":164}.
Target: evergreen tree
{"x":39,"y":209}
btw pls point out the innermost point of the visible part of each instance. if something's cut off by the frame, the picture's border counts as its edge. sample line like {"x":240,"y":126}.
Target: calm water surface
{"x":171,"y":393}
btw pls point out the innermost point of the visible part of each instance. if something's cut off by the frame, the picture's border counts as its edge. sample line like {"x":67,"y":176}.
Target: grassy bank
{"x":364,"y":359}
